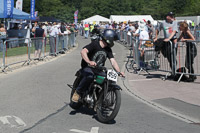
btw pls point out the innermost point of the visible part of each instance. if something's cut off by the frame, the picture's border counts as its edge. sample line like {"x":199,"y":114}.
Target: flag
{"x":36,"y":14}
{"x":76,"y":17}
{"x":33,"y":9}
{"x":19,"y":4}
{"x":8,"y":8}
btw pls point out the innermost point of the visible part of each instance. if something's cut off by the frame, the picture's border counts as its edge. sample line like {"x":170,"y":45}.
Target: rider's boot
{"x":75,"y":97}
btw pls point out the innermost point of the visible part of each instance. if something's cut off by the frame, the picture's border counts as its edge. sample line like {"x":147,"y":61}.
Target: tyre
{"x":72,"y":104}
{"x":108,"y":107}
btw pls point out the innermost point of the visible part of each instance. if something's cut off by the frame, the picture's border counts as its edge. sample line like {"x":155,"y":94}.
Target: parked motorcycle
{"x":103,"y":95}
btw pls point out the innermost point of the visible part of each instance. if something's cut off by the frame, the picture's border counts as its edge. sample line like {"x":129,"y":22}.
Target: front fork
{"x":105,"y":89}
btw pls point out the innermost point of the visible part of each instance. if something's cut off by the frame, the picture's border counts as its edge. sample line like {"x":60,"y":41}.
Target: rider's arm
{"x":115,"y":66}
{"x":84,"y":55}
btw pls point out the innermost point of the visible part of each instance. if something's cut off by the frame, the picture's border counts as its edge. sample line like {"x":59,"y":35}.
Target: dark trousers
{"x":88,"y":74}
{"x":170,"y":54}
{"x":191,"y":53}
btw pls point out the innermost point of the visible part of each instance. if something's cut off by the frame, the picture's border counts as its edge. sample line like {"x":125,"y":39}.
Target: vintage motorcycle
{"x":103,"y":95}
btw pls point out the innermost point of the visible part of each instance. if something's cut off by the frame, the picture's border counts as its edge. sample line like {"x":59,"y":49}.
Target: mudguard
{"x":115,"y":86}
{"x":78,"y":73}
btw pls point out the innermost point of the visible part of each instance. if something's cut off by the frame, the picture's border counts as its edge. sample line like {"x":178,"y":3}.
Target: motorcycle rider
{"x":95,"y":34}
{"x":95,"y":54}
{"x":95,"y":31}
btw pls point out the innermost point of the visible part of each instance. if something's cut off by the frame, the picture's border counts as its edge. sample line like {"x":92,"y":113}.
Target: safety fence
{"x":176,"y":59}
{"x":25,"y":50}
{"x":188,"y":60}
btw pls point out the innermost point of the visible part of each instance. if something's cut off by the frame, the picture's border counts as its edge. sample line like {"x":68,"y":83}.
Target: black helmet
{"x":109,"y":36}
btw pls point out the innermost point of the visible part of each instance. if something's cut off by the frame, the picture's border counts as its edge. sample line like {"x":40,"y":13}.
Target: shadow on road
{"x":90,"y":112}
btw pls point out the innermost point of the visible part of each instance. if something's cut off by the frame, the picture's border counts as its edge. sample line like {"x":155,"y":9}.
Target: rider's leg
{"x":88,"y":77}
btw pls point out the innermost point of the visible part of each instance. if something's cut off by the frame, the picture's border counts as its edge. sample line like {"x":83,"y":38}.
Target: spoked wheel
{"x":130,"y":64}
{"x":108,"y":106}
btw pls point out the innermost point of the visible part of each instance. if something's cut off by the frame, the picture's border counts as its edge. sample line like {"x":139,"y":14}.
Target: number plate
{"x":112,"y":75}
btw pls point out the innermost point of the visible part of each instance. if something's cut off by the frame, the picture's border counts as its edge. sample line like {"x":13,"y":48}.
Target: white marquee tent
{"x":132,"y":18}
{"x":96,"y":18}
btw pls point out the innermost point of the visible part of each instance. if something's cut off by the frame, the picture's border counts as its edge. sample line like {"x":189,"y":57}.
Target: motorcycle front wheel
{"x":108,"y":106}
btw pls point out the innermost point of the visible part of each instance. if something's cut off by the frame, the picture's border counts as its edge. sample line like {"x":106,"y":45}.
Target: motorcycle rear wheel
{"x":108,"y":107}
{"x":72,"y":104}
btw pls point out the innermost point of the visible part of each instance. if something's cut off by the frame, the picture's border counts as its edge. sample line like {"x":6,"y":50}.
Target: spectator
{"x":170,"y":28}
{"x":68,"y":30}
{"x":143,"y":37}
{"x":193,"y":24}
{"x":44,"y":27}
{"x":86,"y":29}
{"x":72,"y":30}
{"x":53,"y":33}
{"x":150,"y":29}
{"x":2,"y":31}
{"x":62,"y":30}
{"x":132,"y":28}
{"x":28,"y":34}
{"x":2,"y":36}
{"x":91,"y":28}
{"x":49,"y":26}
{"x":39,"y":34}
{"x":34,"y":27}
{"x":191,"y":50}
{"x":136,"y":44}
{"x":81,"y":29}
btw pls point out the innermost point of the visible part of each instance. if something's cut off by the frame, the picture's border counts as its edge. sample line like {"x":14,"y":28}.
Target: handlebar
{"x":105,"y":69}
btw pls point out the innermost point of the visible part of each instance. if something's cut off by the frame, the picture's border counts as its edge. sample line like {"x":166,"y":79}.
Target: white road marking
{"x":141,"y":80}
{"x":93,"y":130}
{"x":19,"y":122}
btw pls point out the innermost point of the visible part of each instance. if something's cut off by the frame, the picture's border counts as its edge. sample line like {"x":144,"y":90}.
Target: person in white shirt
{"x":44,"y":27}
{"x":144,"y":36}
{"x":52,"y":40}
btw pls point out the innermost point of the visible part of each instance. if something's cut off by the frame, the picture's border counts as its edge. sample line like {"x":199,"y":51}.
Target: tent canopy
{"x":17,"y":14}
{"x":132,"y":18}
{"x":96,"y":18}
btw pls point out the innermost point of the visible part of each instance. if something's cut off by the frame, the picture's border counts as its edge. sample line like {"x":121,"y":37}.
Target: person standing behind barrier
{"x":2,"y":36}
{"x":193,"y":24}
{"x":81,"y":29}
{"x":191,"y":50}
{"x":150,"y":29}
{"x":136,"y":45}
{"x":62,"y":37}
{"x":86,"y":29}
{"x":28,"y":35}
{"x":39,"y":34}
{"x":53,"y":33}
{"x":72,"y":30}
{"x":144,"y":35}
{"x":170,"y":28}
{"x":45,"y":29}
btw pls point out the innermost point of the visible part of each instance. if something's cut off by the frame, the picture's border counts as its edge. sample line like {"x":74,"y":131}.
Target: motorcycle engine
{"x":89,"y":99}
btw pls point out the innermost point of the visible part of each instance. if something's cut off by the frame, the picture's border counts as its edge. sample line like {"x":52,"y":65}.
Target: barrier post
{"x":4,"y":55}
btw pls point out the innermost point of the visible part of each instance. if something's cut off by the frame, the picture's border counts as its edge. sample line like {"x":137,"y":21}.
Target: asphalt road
{"x":35,"y":100}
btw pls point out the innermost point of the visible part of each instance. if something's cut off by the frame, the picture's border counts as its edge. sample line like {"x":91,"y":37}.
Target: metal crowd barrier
{"x":166,"y":58}
{"x":188,"y":59}
{"x":147,"y":56}
{"x":24,"y":49}
{"x":171,"y":58}
{"x":162,"y":60}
